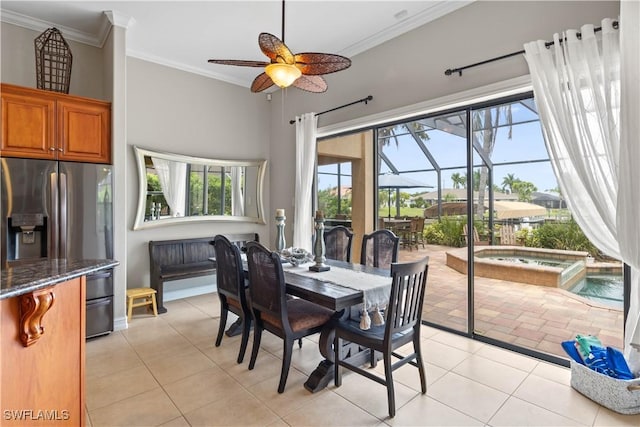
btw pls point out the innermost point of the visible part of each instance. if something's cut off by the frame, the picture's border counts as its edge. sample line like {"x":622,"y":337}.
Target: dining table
{"x":337,"y":291}
{"x":396,"y":225}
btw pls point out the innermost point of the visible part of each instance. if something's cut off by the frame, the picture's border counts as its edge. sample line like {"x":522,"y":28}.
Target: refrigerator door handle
{"x":52,"y":246}
{"x":63,"y":215}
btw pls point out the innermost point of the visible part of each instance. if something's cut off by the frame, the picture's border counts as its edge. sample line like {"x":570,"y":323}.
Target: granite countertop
{"x":21,"y":278}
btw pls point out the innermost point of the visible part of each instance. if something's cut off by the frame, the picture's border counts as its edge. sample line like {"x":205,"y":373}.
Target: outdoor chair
{"x":231,"y":289}
{"x":411,"y":234}
{"x":337,"y":243}
{"x":418,"y":231}
{"x":288,"y":318}
{"x":476,"y":237}
{"x":379,"y":249}
{"x":507,"y":235}
{"x":402,"y":326}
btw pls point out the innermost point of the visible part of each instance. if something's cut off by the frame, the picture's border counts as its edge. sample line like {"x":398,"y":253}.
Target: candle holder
{"x":280,"y":240}
{"x":318,"y":247}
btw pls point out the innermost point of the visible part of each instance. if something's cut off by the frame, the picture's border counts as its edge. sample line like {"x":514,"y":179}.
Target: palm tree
{"x":525,"y":190}
{"x":486,"y":122}
{"x":458,"y":180}
{"x":508,"y":181}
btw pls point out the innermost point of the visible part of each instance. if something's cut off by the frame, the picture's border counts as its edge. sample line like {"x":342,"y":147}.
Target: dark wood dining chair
{"x":402,"y":326}
{"x":379,"y":249}
{"x":288,"y":318}
{"x":231,"y":290}
{"x":337,"y":243}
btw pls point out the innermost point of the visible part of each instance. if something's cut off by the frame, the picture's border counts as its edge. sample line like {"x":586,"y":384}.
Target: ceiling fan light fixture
{"x":283,"y":75}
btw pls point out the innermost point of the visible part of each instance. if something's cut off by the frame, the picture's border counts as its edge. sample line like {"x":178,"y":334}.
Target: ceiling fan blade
{"x":262,"y":82}
{"x":315,"y":84}
{"x":311,"y":63}
{"x":239,"y":62}
{"x":275,"y":49}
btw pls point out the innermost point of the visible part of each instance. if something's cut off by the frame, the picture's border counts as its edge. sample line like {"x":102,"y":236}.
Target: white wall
{"x":410,"y":69}
{"x":18,"y":64}
{"x":174,"y":111}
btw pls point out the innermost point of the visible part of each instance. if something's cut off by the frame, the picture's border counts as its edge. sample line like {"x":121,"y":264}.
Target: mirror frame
{"x":140,"y":223}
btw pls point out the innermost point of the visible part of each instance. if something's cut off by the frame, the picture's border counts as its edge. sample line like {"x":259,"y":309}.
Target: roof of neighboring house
{"x":545,"y":196}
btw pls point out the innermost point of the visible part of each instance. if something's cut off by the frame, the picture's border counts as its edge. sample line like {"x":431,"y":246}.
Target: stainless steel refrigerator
{"x":54,"y":209}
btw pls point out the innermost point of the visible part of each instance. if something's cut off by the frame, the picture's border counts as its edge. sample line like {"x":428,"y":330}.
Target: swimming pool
{"x":606,"y":289}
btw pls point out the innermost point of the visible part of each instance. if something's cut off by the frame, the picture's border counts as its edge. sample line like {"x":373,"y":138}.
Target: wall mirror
{"x":176,"y":189}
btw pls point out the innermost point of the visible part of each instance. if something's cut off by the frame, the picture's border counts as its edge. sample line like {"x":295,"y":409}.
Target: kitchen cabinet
{"x":41,"y":124}
{"x":42,"y":363}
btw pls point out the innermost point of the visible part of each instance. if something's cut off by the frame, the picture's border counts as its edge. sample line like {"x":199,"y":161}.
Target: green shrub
{"x":565,"y":236}
{"x":446,"y":232}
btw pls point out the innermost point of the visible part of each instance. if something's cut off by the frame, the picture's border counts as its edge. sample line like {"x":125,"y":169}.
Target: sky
{"x":525,"y":143}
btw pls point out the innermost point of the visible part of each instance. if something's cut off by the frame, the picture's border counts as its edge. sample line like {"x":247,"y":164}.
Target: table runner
{"x":376,"y":289}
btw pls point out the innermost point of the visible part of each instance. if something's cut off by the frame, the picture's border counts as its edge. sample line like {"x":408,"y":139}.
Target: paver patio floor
{"x":531,"y":316}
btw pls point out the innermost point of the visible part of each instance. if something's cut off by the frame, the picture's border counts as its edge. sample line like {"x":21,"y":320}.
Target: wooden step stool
{"x":149,"y":296}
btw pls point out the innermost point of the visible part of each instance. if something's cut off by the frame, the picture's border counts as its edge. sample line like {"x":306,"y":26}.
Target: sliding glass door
{"x":508,"y":264}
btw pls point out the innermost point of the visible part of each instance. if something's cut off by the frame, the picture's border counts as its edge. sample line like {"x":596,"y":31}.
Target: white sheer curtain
{"x":237,"y":193}
{"x":306,"y":128}
{"x":173,"y":181}
{"x":577,"y":91}
{"x":628,"y":194}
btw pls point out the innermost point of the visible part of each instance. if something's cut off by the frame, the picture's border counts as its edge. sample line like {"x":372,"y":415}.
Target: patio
{"x":530,"y":316}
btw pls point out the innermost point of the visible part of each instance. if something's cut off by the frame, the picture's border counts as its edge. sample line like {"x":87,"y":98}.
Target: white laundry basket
{"x":622,"y":396}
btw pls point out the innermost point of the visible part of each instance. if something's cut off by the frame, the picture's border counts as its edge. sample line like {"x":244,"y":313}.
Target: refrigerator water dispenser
{"x":26,"y":236}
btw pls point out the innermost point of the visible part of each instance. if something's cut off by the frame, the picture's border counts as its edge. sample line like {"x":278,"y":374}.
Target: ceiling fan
{"x":302,"y":70}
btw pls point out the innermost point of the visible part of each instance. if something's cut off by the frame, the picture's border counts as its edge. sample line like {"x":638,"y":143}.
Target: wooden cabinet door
{"x":27,"y":126}
{"x":84,"y":133}
{"x":43,"y":384}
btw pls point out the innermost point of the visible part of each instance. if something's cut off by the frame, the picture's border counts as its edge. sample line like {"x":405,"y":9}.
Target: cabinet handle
{"x":52,"y":149}
{"x":60,"y":150}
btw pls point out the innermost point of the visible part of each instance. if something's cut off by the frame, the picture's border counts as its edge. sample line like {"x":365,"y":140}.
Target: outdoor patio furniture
{"x":507,"y":235}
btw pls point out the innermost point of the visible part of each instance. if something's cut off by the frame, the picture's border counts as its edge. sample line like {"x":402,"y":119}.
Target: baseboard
{"x":120,"y":323}
{"x":179,"y":289}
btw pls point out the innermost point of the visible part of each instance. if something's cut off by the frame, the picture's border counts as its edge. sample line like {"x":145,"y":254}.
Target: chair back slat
{"x":337,"y":242}
{"x":267,"y":286}
{"x":229,"y":271}
{"x":379,"y":249}
{"x":407,"y":296}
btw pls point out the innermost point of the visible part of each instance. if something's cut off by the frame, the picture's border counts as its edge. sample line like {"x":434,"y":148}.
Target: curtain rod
{"x":458,"y":70}
{"x":365,"y":100}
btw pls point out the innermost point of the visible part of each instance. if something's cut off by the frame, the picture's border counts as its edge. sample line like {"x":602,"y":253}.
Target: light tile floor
{"x":166,"y":371}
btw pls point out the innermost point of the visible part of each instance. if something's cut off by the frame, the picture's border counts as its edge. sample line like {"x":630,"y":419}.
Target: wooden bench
{"x":183,"y":259}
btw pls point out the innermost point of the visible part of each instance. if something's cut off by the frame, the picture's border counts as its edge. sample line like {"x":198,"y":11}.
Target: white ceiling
{"x":184,"y":34}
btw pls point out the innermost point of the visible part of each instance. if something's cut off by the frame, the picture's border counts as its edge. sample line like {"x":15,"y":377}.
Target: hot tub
{"x":535,"y":266}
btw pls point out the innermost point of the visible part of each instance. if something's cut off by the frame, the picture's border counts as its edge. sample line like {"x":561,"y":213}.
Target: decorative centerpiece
{"x":318,"y":245}
{"x":296,"y":256}
{"x":280,"y":240}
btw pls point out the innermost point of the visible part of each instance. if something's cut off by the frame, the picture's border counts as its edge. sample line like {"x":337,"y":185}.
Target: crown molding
{"x":181,"y":66}
{"x":39,"y":25}
{"x":117,"y":19}
{"x":434,"y":11}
